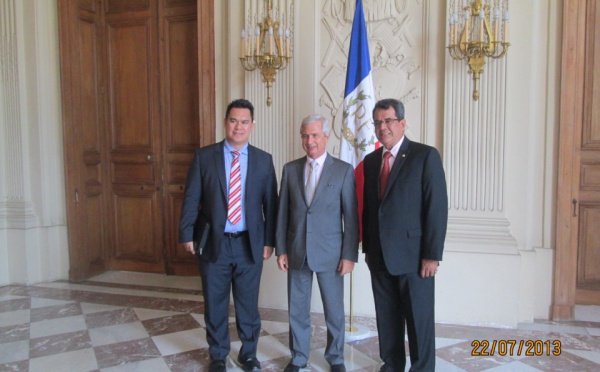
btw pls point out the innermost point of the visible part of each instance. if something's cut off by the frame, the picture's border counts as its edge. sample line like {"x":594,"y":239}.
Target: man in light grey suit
{"x":317,"y":232}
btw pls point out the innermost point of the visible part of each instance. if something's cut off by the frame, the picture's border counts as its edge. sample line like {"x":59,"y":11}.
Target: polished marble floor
{"x":142,"y":322}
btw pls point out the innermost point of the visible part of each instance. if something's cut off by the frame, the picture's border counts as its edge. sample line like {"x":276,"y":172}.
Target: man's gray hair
{"x":317,"y":117}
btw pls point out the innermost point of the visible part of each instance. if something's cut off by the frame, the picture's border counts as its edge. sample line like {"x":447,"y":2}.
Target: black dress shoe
{"x":293,"y":368}
{"x":388,"y":368}
{"x":249,"y":364}
{"x":338,"y":368}
{"x":217,"y":366}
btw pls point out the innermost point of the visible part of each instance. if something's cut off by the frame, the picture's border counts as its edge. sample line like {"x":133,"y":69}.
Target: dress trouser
{"x":235,"y":271}
{"x":405,"y":300}
{"x":331,"y":285}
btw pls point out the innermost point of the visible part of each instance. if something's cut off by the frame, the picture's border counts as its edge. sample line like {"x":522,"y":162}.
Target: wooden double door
{"x":138,"y":99}
{"x":586,"y":198}
{"x":577,"y":258}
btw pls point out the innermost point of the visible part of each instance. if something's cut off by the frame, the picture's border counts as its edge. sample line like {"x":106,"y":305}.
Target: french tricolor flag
{"x":358,"y":133}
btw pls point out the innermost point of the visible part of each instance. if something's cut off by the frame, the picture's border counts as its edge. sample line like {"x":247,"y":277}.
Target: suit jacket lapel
{"x":220,"y":163}
{"x":377,"y":159}
{"x":398,"y":162}
{"x":300,"y":168}
{"x":250,"y":170}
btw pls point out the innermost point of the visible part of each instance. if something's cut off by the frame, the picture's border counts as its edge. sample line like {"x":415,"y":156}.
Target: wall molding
{"x":18,"y":215}
{"x":10,"y":105}
{"x":480,"y":235}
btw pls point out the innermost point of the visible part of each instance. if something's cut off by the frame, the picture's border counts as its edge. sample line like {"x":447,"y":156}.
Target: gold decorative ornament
{"x":475,"y":33}
{"x":266,"y":47}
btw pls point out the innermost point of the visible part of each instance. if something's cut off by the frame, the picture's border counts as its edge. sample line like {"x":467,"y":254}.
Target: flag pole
{"x":351,"y":328}
{"x":358,"y":331}
{"x":357,"y":138}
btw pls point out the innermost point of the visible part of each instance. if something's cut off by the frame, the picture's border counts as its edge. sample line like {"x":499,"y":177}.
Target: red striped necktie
{"x":234,"y":208}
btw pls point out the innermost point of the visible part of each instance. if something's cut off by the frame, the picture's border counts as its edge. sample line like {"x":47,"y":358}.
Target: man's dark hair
{"x":385,"y":104}
{"x":240,"y":103}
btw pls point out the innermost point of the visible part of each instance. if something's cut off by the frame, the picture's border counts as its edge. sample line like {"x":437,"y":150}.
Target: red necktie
{"x":234,"y":209}
{"x":385,"y":174}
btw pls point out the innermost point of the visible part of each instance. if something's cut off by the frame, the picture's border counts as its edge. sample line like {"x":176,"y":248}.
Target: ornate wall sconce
{"x":471,"y":37}
{"x":266,"y":47}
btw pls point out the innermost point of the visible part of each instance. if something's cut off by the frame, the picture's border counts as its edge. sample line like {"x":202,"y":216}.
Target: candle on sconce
{"x":506,"y":19}
{"x":451,"y":32}
{"x":243,"y":43}
{"x":279,"y":41}
{"x":496,"y":24}
{"x":271,"y":39}
{"x":287,"y":42}
{"x":468,"y":26}
{"x":481,"y":26}
{"x":248,"y":42}
{"x":450,"y":29}
{"x":257,"y":34}
{"x":457,"y":28}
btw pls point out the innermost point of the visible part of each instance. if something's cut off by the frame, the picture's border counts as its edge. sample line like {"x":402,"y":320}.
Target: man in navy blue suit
{"x":405,"y":217}
{"x":229,"y":214}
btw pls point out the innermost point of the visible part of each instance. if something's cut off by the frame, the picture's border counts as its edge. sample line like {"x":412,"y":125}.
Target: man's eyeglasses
{"x":386,"y":121}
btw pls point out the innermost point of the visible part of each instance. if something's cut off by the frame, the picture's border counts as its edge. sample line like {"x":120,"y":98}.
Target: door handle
{"x":574,"y":207}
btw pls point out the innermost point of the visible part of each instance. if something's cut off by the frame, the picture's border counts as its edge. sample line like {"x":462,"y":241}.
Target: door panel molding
{"x":185,"y":117}
{"x":84,"y":137}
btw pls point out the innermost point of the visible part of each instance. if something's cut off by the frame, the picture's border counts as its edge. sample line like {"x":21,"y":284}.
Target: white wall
{"x":33,"y":234}
{"x":500,"y":281}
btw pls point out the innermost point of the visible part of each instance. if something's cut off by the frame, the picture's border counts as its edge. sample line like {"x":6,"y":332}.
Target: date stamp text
{"x":515,"y":347}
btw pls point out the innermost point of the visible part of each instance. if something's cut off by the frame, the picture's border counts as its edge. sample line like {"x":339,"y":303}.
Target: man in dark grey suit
{"x":229,"y":211}
{"x":317,"y":232}
{"x":404,"y":221}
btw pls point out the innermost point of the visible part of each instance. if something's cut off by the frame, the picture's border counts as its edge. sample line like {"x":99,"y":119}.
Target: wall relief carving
{"x":394,"y":29}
